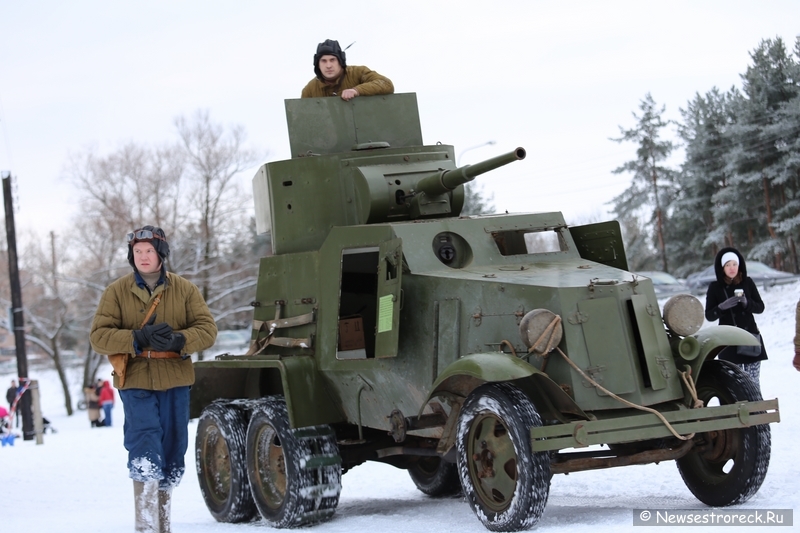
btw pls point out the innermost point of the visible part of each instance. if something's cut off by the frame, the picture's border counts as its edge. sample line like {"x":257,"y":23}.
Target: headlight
{"x":683,"y":314}
{"x":536,"y":326}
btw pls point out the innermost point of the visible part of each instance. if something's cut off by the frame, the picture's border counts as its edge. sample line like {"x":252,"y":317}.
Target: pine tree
{"x":787,"y":129}
{"x":701,"y":177}
{"x":476,"y":202}
{"x":653,"y":185}
{"x":638,"y":244}
{"x":756,"y":161}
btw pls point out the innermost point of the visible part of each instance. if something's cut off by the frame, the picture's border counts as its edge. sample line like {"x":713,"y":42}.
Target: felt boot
{"x":145,"y":496}
{"x":164,"y":509}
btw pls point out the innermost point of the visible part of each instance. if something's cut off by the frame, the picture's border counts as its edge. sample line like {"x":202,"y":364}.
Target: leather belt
{"x":159,"y":355}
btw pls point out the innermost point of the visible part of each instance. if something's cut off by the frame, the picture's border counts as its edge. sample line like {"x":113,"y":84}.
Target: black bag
{"x":750,"y":351}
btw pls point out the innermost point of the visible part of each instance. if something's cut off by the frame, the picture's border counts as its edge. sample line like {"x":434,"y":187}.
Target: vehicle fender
{"x":714,"y":339}
{"x":467,"y":373}
{"x":297,"y":379}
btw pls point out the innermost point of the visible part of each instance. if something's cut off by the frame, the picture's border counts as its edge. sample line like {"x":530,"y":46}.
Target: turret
{"x":358,"y":162}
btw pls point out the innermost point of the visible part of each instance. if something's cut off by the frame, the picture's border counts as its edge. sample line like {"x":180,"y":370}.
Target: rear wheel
{"x":219,"y":456}
{"x":435,"y":477}
{"x":295,"y":474}
{"x":505,"y":483}
{"x":730,"y":465}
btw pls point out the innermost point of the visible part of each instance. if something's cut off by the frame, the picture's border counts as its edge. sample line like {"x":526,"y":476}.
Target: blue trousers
{"x":156,"y":434}
{"x":107,"y":407}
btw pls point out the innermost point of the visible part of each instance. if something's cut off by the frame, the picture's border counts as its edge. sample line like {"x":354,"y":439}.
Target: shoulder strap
{"x":150,"y":311}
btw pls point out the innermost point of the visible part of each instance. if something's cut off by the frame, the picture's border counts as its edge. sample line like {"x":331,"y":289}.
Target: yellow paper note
{"x":385,"y":312}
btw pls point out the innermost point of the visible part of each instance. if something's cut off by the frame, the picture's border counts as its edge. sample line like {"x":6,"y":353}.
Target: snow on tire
{"x":729,"y":466}
{"x":506,"y":484}
{"x":219,"y":459}
{"x":295,"y":474}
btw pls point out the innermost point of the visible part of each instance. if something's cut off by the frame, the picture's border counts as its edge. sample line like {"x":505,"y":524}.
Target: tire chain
{"x":323,"y":460}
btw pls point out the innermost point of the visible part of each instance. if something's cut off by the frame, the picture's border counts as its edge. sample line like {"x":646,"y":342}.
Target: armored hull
{"x":476,"y":352}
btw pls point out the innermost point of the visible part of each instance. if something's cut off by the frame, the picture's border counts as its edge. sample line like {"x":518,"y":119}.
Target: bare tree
{"x":47,"y":311}
{"x":119,"y":192}
{"x":215,"y":156}
{"x":190,"y":190}
{"x":131,"y":185}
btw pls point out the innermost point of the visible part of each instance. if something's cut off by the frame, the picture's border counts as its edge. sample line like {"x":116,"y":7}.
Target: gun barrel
{"x":446,"y":180}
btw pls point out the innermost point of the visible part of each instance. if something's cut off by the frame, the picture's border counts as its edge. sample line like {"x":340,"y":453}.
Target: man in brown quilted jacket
{"x":149,"y":322}
{"x":335,"y":78}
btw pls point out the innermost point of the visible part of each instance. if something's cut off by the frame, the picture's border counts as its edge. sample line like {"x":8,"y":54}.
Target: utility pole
{"x":16,"y":309}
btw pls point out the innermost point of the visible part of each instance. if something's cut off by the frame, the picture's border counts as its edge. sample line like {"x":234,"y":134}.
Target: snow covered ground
{"x":77,"y":480}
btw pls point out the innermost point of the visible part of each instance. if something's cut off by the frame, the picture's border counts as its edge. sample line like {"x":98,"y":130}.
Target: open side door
{"x":601,"y":243}
{"x":390,"y":271}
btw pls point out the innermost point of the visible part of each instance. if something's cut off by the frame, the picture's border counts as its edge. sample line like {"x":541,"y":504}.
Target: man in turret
{"x":335,"y":78}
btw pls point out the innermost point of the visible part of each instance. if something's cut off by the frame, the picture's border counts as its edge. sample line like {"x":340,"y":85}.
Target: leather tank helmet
{"x":152,"y":234}
{"x":329,"y":48}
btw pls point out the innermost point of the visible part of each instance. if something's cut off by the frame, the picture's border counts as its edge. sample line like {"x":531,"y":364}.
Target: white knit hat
{"x":729,"y":256}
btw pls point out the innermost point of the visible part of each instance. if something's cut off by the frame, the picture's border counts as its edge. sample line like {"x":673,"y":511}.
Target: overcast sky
{"x":556,"y":78}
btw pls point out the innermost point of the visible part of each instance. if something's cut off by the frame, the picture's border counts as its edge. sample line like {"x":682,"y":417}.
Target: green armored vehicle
{"x":483,"y":354}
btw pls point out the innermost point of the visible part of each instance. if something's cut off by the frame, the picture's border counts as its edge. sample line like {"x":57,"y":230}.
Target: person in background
{"x":149,"y":322}
{"x":106,"y":399}
{"x":5,"y":425}
{"x":7,"y":436}
{"x":92,"y":406}
{"x":335,"y":78}
{"x":11,"y":395}
{"x":796,"y":360}
{"x":733,"y":299}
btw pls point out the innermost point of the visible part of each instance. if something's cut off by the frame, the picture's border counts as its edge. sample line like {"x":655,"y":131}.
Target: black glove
{"x":160,"y":342}
{"x":152,"y":334}
{"x":730,"y":302}
{"x":743,"y":301}
{"x":176,"y":343}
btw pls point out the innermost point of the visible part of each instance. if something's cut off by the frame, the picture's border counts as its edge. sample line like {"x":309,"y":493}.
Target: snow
{"x":77,"y":480}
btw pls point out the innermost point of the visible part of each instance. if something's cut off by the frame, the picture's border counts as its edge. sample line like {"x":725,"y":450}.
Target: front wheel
{"x":295,"y":474}
{"x":729,"y":466}
{"x":505,"y":483}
